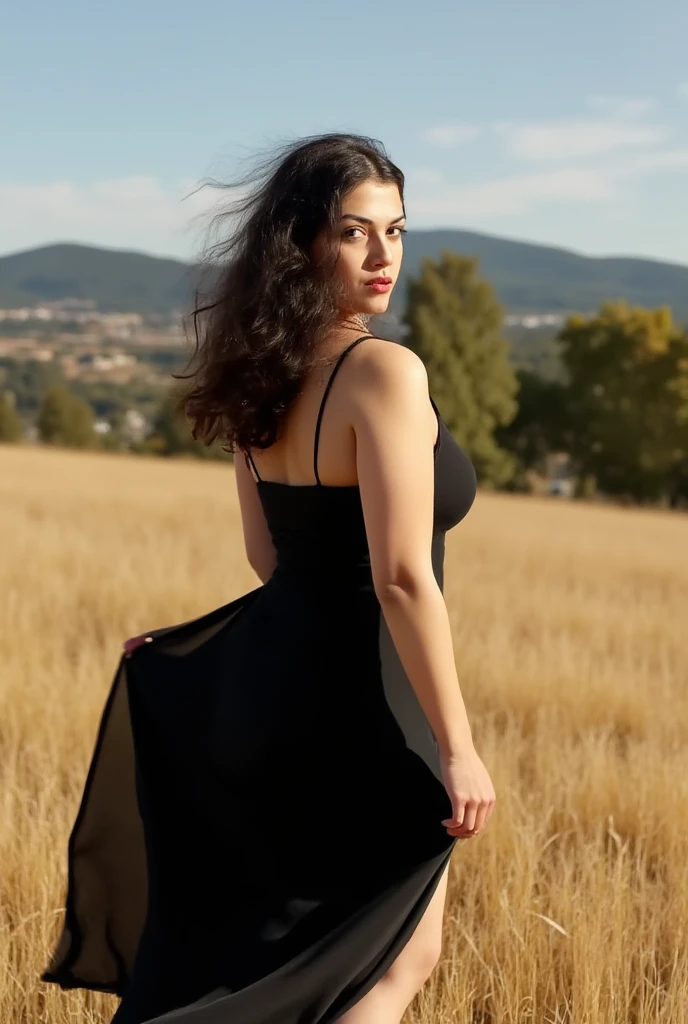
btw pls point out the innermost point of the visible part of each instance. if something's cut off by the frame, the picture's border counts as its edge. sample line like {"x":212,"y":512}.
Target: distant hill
{"x":118,"y":281}
{"x":542,"y":278}
{"x":526,"y":277}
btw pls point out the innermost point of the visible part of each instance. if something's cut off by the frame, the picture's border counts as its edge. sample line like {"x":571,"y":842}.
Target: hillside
{"x":534,"y":277}
{"x":526,"y":277}
{"x":117,"y":280}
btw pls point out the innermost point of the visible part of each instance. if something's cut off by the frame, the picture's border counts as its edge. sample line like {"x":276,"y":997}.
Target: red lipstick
{"x":380,"y":284}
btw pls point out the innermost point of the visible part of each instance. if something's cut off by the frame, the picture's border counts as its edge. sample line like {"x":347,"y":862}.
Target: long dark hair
{"x":269,"y":304}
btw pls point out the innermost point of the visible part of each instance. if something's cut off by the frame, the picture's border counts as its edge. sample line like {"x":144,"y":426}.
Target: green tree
{"x":171,"y":433}
{"x":541,"y":426}
{"x":628,"y":389}
{"x":64,"y":419}
{"x":455,"y":326}
{"x":10,"y":424}
{"x":28,"y":380}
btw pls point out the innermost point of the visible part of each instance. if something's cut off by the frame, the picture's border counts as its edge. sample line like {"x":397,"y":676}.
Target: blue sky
{"x":554,"y":122}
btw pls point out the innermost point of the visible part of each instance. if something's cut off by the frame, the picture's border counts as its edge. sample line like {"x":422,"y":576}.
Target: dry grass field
{"x":571,"y":634}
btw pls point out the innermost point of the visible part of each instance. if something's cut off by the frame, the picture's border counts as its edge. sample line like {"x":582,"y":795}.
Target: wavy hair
{"x":269,"y":303}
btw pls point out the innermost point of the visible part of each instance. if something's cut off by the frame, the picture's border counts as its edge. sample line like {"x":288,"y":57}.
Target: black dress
{"x":260,"y":831}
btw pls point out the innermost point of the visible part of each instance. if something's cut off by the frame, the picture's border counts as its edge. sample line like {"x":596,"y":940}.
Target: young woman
{"x":277,"y":786}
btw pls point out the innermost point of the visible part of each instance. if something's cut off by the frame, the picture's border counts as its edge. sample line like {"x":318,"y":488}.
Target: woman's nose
{"x":382,"y":255}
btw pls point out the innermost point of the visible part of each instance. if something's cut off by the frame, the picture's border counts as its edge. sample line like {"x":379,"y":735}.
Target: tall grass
{"x":571,"y":639}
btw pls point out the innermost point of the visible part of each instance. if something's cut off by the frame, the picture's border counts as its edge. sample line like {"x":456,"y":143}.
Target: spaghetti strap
{"x":318,"y":424}
{"x":251,"y":464}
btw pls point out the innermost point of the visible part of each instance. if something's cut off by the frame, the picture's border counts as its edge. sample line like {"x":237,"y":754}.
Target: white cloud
{"x":525,"y":193}
{"x":576,"y":138}
{"x":135,"y":212}
{"x":141,"y":213}
{"x":621,"y":124}
{"x":450,"y":135}
{"x":509,"y":195}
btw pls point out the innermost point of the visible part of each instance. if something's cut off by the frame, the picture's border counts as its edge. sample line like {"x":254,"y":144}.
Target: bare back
{"x":319,"y":423}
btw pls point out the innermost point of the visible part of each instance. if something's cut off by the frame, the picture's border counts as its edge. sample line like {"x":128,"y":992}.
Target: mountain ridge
{"x":527,"y":277}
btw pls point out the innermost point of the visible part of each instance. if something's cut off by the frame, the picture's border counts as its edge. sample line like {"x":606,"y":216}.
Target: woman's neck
{"x":341,"y":335}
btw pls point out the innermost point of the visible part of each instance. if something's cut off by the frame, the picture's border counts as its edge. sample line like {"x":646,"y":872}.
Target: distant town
{"x":91,"y":345}
{"x":75,"y":375}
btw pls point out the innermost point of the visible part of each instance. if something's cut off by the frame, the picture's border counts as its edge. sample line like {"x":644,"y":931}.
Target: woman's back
{"x":307,"y":482}
{"x":306,"y":427}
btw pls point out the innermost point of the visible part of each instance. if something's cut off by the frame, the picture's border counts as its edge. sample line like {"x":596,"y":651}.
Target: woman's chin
{"x":375,"y":304}
{"x":367,"y":305}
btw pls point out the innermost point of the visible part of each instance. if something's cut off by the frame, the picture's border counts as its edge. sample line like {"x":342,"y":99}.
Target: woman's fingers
{"x":483,"y":815}
{"x":470,"y":790}
{"x":470,"y":818}
{"x":458,"y":814}
{"x":464,"y":814}
{"x":133,"y":642}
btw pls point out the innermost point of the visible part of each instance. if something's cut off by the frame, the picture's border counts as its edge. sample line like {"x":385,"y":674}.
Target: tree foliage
{"x":10,"y":425}
{"x":628,"y":390}
{"x":541,"y":426}
{"x":28,"y":380}
{"x":64,"y":419}
{"x":171,"y":433}
{"x":455,"y":326}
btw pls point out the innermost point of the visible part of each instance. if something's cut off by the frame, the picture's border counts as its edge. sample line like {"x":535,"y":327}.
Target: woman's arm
{"x":260,"y":550}
{"x":395,"y":429}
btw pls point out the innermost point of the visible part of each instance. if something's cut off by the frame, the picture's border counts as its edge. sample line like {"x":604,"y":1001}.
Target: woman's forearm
{"x":416,"y":615}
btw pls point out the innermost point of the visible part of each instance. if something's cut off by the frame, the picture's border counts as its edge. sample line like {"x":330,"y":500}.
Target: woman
{"x":277,"y":786}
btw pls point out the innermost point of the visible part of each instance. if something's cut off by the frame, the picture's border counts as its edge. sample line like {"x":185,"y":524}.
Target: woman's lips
{"x":379,"y":286}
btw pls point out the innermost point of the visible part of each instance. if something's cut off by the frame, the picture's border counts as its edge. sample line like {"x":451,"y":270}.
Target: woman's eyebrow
{"x":367,"y":220}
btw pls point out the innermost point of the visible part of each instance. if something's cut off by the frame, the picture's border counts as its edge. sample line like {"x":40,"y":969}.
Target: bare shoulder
{"x":387,"y":369}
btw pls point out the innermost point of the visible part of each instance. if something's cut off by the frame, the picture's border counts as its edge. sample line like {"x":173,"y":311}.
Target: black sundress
{"x":260,"y":830}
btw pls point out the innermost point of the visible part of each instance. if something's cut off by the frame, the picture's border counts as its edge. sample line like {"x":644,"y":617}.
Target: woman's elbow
{"x":403,"y":584}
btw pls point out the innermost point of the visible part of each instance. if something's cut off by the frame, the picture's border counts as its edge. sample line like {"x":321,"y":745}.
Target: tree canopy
{"x":64,"y":419}
{"x":455,"y":325}
{"x":10,"y":425}
{"x":628,"y":396}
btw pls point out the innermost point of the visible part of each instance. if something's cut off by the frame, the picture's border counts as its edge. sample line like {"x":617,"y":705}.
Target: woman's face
{"x":370,"y":247}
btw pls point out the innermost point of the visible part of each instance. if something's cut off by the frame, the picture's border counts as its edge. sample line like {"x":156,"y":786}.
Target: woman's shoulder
{"x":388,"y":386}
{"x":382,"y":363}
{"x":387,"y":380}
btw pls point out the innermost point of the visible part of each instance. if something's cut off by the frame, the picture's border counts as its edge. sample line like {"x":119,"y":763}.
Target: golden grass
{"x":572,"y":645}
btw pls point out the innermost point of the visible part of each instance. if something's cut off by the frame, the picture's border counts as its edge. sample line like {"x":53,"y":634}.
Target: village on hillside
{"x":92,"y":345}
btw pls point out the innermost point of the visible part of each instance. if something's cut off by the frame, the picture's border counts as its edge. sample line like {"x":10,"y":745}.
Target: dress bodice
{"x":318,"y":527}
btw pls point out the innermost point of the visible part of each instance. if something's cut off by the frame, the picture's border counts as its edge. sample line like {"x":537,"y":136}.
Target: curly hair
{"x":269,"y":303}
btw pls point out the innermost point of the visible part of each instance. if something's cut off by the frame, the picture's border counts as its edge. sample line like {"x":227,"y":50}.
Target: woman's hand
{"x":470,"y":790}
{"x":135,"y":641}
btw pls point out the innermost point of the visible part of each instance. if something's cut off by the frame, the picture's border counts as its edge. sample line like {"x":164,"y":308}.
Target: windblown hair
{"x":269,"y":302}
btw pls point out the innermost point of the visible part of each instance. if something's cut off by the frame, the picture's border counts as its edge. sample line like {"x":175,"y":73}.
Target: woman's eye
{"x":400,"y":232}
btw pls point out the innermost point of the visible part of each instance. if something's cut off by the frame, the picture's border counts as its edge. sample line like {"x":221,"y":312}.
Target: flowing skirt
{"x":260,"y":830}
